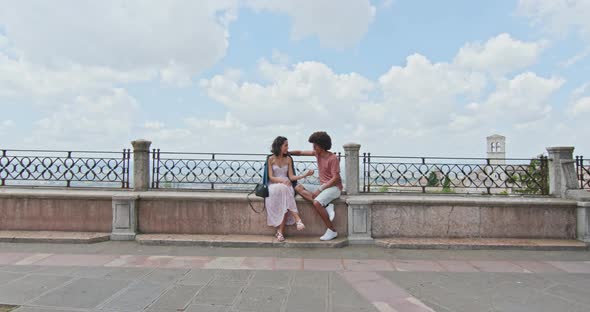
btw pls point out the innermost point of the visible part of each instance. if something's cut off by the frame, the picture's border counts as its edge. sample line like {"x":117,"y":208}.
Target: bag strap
{"x":252,"y":206}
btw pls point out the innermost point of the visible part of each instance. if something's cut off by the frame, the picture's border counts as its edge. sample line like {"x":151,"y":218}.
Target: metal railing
{"x":382,"y":174}
{"x":583,"y":172}
{"x":223,"y":171}
{"x":64,"y":168}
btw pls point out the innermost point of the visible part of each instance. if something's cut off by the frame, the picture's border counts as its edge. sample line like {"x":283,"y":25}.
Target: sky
{"x":399,"y":77}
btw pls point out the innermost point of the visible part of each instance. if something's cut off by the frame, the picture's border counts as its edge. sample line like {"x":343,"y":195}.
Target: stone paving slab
{"x":469,"y":292}
{"x":334,"y":280}
{"x":84,"y":293}
{"x":57,"y":237}
{"x":135,"y":297}
{"x":29,"y":287}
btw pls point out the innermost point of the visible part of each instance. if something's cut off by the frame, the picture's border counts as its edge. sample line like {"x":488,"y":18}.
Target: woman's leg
{"x":298,"y":221}
{"x":281,"y":227}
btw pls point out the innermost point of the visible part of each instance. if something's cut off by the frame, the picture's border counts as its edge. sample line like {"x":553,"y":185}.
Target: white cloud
{"x":23,"y":79}
{"x":499,"y":55}
{"x":581,"y":106}
{"x":89,"y":121}
{"x":422,"y":95}
{"x":308,"y":92}
{"x":130,"y":36}
{"x":516,"y":102}
{"x":6,"y":124}
{"x":336,"y":24}
{"x":559,"y":16}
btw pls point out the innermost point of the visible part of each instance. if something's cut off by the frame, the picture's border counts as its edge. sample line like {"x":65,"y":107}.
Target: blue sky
{"x":424,"y":78}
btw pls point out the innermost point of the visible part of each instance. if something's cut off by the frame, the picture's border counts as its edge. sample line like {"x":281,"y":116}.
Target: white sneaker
{"x":331,"y":212}
{"x":329,"y":235}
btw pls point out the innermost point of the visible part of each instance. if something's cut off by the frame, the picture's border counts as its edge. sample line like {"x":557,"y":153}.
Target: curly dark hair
{"x":322,"y":139}
{"x":275,"y":148}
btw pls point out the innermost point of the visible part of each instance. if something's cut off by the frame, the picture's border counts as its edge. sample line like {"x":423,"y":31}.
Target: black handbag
{"x":261,"y":190}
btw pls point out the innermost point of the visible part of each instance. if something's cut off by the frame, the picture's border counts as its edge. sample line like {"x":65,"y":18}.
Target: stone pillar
{"x":141,"y":165}
{"x":359,"y":220}
{"x":583,"y":220}
{"x":562,"y":170}
{"x":582,"y":213}
{"x":124,"y":217}
{"x":351,"y":154}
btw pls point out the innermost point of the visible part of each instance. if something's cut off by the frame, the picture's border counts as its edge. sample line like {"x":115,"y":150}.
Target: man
{"x":331,"y":183}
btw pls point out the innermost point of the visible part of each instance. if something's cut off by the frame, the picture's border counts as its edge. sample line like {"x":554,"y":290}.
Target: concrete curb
{"x":52,"y":237}
{"x":450,"y":244}
{"x":237,"y":241}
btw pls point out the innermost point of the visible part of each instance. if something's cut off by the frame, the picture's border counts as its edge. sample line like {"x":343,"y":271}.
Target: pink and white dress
{"x":280,"y":199}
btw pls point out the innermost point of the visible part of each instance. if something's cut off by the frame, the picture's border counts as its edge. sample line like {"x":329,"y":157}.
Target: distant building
{"x":496,"y":149}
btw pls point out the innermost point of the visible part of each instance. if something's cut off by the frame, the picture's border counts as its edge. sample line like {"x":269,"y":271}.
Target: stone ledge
{"x":59,"y":193}
{"x":458,"y":200}
{"x":237,"y":241}
{"x":57,"y":237}
{"x":481,"y":243}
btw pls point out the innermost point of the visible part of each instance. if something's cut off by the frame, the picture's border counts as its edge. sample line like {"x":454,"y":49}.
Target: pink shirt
{"x":329,"y":167}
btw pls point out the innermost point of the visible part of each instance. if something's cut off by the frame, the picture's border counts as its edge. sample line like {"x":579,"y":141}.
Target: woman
{"x":280,"y":204}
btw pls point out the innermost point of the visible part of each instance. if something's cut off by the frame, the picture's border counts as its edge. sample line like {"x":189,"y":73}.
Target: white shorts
{"x":328,"y":195}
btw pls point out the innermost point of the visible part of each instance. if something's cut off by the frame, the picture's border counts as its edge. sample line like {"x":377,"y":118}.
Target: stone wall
{"x":55,"y":210}
{"x":470,"y":217}
{"x":221,"y":213}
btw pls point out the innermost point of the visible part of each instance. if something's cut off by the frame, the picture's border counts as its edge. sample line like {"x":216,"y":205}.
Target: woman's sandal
{"x":300,"y":225}
{"x":280,"y":237}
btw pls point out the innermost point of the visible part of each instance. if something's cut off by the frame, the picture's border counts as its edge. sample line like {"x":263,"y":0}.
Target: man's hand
{"x":309,"y":173}
{"x":315,"y":193}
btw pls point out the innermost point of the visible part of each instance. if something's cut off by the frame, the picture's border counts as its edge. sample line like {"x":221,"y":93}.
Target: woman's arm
{"x":292,"y":175}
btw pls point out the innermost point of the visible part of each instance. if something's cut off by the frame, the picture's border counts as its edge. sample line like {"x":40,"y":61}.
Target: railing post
{"x":141,"y":164}
{"x":580,"y":170}
{"x":562,"y":170}
{"x":352,"y":170}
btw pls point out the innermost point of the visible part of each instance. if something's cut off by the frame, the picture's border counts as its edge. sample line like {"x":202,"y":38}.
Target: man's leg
{"x":323,"y":214}
{"x":307,"y":195}
{"x":304,"y":193}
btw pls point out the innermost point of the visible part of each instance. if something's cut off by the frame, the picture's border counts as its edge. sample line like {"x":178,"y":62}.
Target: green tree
{"x":446,"y":184}
{"x":533,"y":180}
{"x":432,"y":179}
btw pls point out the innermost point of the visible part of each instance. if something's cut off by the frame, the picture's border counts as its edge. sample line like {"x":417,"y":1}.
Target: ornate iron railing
{"x":227,"y":171}
{"x":583,"y":172}
{"x":455,"y":175}
{"x":64,"y":168}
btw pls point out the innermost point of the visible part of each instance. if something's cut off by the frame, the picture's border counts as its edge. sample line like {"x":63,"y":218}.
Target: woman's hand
{"x":309,"y":173}
{"x":287,"y":182}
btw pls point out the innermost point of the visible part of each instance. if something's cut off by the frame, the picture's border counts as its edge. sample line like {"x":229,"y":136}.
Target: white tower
{"x":496,"y":146}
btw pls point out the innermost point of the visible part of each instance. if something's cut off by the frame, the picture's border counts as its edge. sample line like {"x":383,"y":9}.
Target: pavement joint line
{"x":289,"y":290}
{"x":329,"y":298}
{"x":33,"y":258}
{"x":70,"y":281}
{"x":162,"y":294}
{"x":239,"y":296}
{"x":194,"y":297}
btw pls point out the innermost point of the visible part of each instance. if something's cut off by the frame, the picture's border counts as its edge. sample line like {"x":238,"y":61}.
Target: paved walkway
{"x":122,"y":276}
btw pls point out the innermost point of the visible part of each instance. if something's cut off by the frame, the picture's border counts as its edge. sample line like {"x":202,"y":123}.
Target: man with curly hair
{"x":331,"y":182}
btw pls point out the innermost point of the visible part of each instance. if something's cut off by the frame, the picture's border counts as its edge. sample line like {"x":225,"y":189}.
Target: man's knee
{"x":317,"y":205}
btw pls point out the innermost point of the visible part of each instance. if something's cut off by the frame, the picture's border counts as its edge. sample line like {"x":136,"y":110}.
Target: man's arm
{"x":302,"y":153}
{"x":332,"y":182}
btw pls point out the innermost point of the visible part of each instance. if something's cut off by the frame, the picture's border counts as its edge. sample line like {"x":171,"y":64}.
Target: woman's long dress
{"x":280,"y":199}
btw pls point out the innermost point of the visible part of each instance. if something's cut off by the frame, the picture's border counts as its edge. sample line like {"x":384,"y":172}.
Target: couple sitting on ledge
{"x":280,"y":203}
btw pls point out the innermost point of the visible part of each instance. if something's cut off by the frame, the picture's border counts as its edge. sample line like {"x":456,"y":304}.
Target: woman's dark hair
{"x":322,"y":139}
{"x":275,"y":148}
